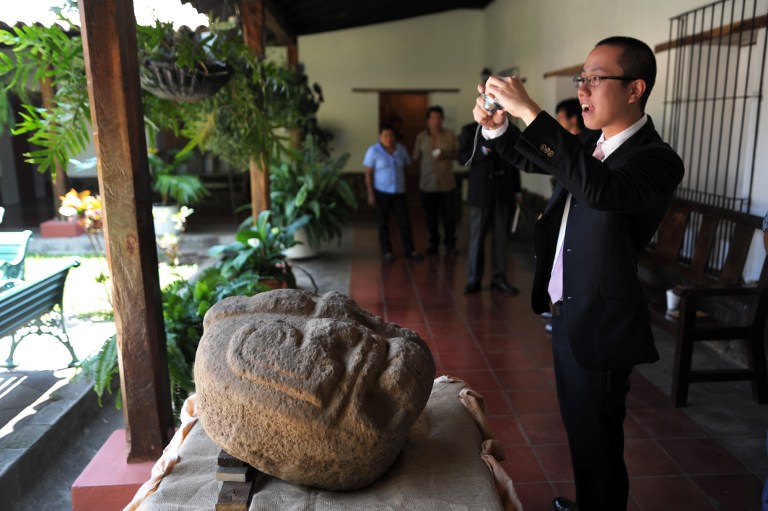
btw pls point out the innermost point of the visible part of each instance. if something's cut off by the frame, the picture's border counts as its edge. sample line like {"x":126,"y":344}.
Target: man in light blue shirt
{"x":385,"y":163}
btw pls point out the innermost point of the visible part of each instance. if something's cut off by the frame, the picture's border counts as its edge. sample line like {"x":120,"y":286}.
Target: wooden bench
{"x":35,"y":307}
{"x":701,"y":252}
{"x":13,"y":250}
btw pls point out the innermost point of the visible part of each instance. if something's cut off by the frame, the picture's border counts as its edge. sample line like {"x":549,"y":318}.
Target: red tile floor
{"x":500,"y":348}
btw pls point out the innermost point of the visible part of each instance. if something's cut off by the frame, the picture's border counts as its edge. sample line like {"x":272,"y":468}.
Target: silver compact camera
{"x":490,"y":104}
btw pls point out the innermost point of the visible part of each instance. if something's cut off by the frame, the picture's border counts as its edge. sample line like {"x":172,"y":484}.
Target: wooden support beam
{"x":252,"y":13}
{"x":293,"y":55}
{"x":112,"y":69}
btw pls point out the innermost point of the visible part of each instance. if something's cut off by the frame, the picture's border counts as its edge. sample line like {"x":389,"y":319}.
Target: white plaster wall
{"x":441,"y":51}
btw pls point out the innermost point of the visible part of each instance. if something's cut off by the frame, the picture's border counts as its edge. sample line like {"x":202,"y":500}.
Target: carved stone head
{"x":308,"y":388}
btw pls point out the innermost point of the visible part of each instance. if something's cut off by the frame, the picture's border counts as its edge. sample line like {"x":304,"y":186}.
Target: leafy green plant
{"x":259,"y":249}
{"x":312,"y":186}
{"x":185,"y":303}
{"x":54,"y":55}
{"x":183,"y":189}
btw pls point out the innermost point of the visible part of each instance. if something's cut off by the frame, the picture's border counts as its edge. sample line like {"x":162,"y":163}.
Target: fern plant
{"x":54,"y":55}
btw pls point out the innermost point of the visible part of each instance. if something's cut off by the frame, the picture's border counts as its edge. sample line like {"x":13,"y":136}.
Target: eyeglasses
{"x":594,"y":80}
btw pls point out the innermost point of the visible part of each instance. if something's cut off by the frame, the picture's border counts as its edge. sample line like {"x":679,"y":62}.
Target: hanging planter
{"x":167,"y":80}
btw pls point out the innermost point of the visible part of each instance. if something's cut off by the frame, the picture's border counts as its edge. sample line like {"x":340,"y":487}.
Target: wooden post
{"x":109,"y":28}
{"x":252,"y":12}
{"x":293,"y":55}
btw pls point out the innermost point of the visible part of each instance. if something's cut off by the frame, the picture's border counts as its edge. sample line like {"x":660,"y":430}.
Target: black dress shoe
{"x":451,"y":252}
{"x":431,"y":250}
{"x":504,"y":287}
{"x":472,"y":287}
{"x":415,"y":256}
{"x":388,"y":257}
{"x":563,"y":504}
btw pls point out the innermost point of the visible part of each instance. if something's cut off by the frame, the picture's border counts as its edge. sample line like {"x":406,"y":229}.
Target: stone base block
{"x":108,"y":482}
{"x":60,"y":229}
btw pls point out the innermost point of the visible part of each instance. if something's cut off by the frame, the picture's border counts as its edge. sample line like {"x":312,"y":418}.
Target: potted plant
{"x":259,"y":249}
{"x":175,"y":189}
{"x":178,"y":65}
{"x":312,"y":186}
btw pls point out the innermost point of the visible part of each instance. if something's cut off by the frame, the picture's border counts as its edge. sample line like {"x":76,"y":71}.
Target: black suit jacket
{"x":617,"y":206}
{"x":488,"y":173}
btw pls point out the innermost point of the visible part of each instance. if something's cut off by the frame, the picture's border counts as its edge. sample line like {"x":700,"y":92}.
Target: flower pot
{"x":163,"y":217}
{"x":304,"y":250}
{"x":168,"y":81}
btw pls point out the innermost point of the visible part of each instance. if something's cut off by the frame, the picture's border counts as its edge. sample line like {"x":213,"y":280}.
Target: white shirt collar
{"x":613,"y":143}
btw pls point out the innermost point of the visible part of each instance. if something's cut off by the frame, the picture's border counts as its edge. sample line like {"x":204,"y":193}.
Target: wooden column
{"x":252,"y":13}
{"x":293,"y":55}
{"x":109,"y":28}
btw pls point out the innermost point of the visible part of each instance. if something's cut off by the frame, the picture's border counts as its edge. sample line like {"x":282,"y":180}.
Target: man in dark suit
{"x":494,"y":188}
{"x":611,"y":194}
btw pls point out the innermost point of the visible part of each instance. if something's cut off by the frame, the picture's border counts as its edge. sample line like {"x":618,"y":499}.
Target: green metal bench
{"x":13,"y":250}
{"x":34,"y":308}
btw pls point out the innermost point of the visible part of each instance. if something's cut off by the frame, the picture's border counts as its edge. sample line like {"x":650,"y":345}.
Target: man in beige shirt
{"x":436,"y":148}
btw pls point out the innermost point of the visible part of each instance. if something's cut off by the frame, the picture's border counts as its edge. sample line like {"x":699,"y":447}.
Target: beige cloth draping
{"x":444,"y":465}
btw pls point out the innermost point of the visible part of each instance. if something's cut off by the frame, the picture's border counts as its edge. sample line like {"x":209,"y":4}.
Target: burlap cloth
{"x":449,"y":462}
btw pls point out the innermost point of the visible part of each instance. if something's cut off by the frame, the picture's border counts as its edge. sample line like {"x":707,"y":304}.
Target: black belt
{"x":556,"y":308}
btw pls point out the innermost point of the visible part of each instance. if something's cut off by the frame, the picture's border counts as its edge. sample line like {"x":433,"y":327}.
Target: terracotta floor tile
{"x":507,"y":430}
{"x":556,"y":460}
{"x":493,"y":344}
{"x":496,"y":403}
{"x":632,"y":429}
{"x":535,"y":496}
{"x":533,"y":401}
{"x":543,"y":428}
{"x":542,"y":357}
{"x":673,"y":463}
{"x":471,"y":360}
{"x":402,"y":317}
{"x":511,"y":360}
{"x":520,"y":379}
{"x":702,"y":456}
{"x":667,"y":423}
{"x":646,"y":396}
{"x":478,"y":380}
{"x":457,"y":344}
{"x":668,"y":494}
{"x":522,"y":466}
{"x":646,"y":458}
{"x":488,"y":329}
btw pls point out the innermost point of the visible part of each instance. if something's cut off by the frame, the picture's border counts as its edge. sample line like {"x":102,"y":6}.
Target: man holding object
{"x":612,"y":190}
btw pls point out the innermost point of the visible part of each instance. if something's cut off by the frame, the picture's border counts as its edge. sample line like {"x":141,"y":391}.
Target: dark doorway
{"x":405,"y":111}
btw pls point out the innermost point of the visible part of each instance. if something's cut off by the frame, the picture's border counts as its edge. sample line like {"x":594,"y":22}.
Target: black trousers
{"x":437,"y":204}
{"x":593,"y":407}
{"x":397,"y":203}
{"x":497,"y":214}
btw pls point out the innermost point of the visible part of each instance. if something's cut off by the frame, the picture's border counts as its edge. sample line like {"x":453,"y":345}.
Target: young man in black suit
{"x":612,"y":191}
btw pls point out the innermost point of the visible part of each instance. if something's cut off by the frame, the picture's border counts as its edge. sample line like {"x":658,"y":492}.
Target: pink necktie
{"x":555,"y":287}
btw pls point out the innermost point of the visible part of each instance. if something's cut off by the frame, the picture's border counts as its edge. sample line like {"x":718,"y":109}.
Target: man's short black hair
{"x":435,"y":108}
{"x":637,"y":60}
{"x":572,"y":108}
{"x":384,"y":127}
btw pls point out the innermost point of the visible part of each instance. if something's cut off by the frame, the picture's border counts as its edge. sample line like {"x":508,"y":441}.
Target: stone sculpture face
{"x":310,"y":388}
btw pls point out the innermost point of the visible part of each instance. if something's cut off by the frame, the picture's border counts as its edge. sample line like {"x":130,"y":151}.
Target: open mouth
{"x":585,"y":107}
